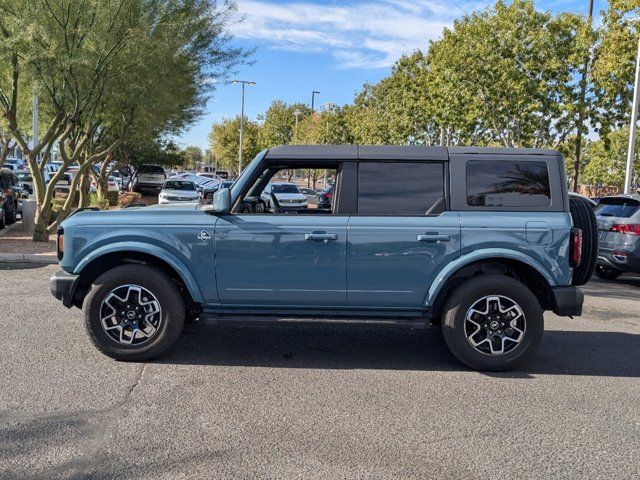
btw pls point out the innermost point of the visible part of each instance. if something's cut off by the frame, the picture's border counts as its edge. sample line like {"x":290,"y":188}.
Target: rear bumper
{"x":567,"y":301}
{"x":627,"y":263}
{"x":63,"y":287}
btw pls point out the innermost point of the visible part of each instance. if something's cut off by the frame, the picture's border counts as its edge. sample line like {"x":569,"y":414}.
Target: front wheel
{"x":607,"y":273}
{"x":492,"y":322}
{"x":134,"y":313}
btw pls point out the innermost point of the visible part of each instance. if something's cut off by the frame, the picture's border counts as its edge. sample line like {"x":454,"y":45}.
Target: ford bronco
{"x":478,"y":240}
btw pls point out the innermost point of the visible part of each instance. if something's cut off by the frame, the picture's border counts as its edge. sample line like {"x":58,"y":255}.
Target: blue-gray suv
{"x":478,"y":240}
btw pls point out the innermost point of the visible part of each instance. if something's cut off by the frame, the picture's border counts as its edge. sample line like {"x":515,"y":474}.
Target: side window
{"x":399,"y":188}
{"x":503,"y":183}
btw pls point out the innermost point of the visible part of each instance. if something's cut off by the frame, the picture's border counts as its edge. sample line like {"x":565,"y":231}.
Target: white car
{"x":288,"y":196}
{"x":148,"y":178}
{"x":178,"y":191}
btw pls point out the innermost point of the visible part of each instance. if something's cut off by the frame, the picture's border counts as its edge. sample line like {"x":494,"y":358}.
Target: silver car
{"x":288,"y":195}
{"x":178,"y":191}
{"x":619,"y":235}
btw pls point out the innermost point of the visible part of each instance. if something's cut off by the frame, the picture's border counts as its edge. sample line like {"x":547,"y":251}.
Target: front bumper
{"x":567,"y":301}
{"x":63,"y":287}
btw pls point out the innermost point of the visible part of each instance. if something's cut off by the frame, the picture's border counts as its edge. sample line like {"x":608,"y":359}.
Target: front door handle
{"x":321,"y":237}
{"x":433,"y":237}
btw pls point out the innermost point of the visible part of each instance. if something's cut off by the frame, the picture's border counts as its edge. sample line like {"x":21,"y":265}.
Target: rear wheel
{"x":134,"y":313}
{"x":10,"y":215}
{"x":607,"y":273}
{"x":584,"y":219}
{"x":2,"y":219}
{"x":492,"y":322}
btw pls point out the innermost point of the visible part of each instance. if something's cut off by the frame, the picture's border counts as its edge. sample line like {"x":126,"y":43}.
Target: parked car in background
{"x":178,"y":191}
{"x":148,"y":178}
{"x":222,"y":174}
{"x":14,"y":193}
{"x":212,"y":188}
{"x":287,"y":196}
{"x":112,"y":184}
{"x":27,"y":180}
{"x":210,"y":175}
{"x":325,"y":198}
{"x":311,"y":194}
{"x":619,"y":235}
{"x":14,"y":164}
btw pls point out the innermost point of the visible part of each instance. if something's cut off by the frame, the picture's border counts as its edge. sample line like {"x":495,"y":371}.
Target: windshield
{"x":179,"y":185}
{"x":617,"y":207}
{"x":151,"y":169}
{"x":285,"y":188}
{"x":246,"y":175}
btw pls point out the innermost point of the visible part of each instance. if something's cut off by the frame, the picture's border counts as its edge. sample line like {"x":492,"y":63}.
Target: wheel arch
{"x":527,"y":271}
{"x":100,"y":261}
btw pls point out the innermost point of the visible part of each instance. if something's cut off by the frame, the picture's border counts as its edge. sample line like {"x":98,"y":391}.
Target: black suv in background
{"x":11,"y":193}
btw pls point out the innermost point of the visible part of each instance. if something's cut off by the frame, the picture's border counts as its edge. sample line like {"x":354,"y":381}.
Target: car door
{"x":282,"y":260}
{"x":402,"y":235}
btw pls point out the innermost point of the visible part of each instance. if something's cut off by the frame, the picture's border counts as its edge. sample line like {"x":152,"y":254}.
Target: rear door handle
{"x":433,"y":237}
{"x":321,"y":237}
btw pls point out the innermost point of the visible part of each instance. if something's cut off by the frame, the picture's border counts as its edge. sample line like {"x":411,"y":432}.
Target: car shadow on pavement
{"x":609,"y":354}
{"x":626,"y":287}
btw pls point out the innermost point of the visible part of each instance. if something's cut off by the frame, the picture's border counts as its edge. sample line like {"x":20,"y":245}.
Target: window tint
{"x":507,"y":184}
{"x":400,"y":188}
{"x":284,"y":188}
{"x":617,"y":207}
{"x":178,"y":185}
{"x":151,"y":169}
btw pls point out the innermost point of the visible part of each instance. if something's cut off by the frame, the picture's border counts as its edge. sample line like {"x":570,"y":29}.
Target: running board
{"x":208,"y":319}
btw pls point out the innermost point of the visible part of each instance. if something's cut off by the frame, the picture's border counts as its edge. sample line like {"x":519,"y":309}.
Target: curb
{"x":28,"y":258}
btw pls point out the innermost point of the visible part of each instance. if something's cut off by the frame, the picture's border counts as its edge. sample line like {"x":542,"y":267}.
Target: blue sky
{"x":331,"y":46}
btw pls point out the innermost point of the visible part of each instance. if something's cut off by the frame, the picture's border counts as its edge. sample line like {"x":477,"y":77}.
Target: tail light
{"x":60,"y":243}
{"x":576,"y":247}
{"x":626,"y":228}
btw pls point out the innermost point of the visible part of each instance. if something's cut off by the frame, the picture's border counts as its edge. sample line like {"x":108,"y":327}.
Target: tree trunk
{"x":42,"y":220}
{"x":83,"y":191}
{"x":102,"y":187}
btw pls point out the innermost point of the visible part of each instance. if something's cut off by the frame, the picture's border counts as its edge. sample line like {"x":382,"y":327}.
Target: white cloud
{"x":358,"y":33}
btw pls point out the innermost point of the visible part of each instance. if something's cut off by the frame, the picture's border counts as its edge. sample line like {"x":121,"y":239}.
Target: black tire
{"x":2,"y":219}
{"x":10,"y":215}
{"x":172,"y":312}
{"x":474,"y":290}
{"x":585,"y":220}
{"x":607,"y":273}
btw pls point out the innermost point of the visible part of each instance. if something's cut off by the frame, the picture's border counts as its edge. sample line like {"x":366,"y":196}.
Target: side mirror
{"x":221,"y":202}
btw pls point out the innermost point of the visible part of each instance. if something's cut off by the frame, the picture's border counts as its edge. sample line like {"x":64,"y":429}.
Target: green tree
{"x":193,"y":156}
{"x":607,"y":159}
{"x":106,"y":70}
{"x":507,"y":75}
{"x":224,"y":140}
{"x":614,"y":63}
{"x":279,"y":123}
{"x":397,"y":110}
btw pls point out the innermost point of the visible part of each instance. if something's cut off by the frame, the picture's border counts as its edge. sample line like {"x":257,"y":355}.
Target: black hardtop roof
{"x":390,"y":152}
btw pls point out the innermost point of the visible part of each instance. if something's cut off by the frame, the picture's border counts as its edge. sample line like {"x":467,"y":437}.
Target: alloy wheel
{"x":130,"y":315}
{"x":495,"y":325}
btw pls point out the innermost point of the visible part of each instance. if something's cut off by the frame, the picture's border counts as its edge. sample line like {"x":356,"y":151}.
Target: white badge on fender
{"x":204,"y":235}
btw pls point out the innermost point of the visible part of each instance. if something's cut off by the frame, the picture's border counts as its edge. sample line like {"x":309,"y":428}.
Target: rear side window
{"x":507,"y":184}
{"x":151,"y":169}
{"x":399,"y":188}
{"x":617,"y":207}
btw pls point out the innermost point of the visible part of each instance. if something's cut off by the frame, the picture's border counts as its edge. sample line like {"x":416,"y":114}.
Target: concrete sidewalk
{"x":16,"y":246}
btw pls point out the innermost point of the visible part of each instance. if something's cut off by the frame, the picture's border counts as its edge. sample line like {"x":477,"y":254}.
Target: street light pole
{"x":632,"y":130}
{"x":313,"y":99}
{"x":297,"y":113}
{"x":244,"y":83}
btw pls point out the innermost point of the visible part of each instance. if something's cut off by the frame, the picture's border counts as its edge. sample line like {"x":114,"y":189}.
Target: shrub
{"x":112,"y":198}
{"x":96,"y":201}
{"x":128,"y":198}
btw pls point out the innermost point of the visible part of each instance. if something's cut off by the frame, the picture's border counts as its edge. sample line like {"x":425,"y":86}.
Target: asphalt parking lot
{"x":315,"y":402}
